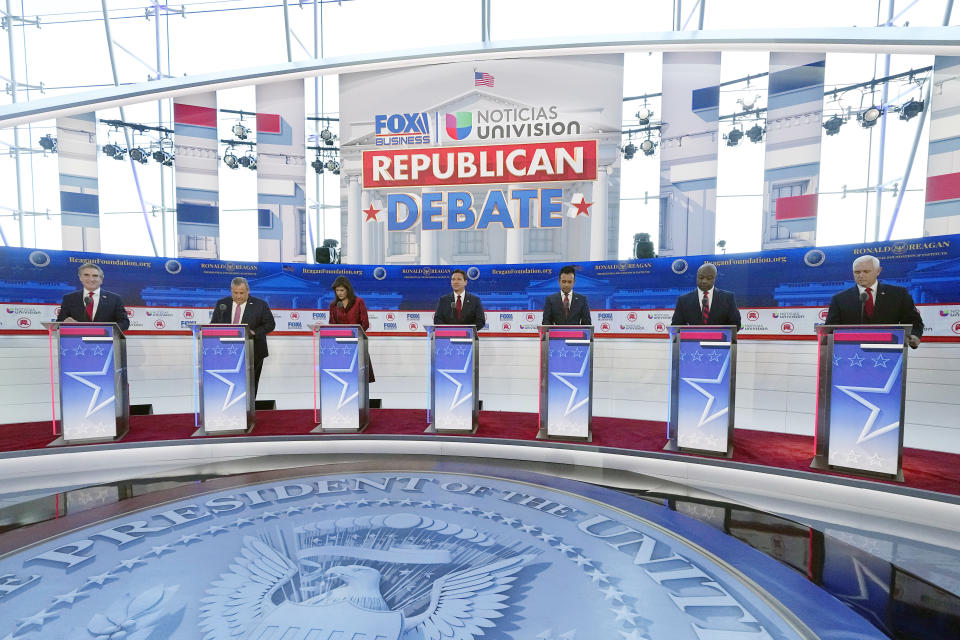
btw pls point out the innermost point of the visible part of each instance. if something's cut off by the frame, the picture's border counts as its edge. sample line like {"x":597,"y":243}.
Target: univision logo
{"x":459,"y":124}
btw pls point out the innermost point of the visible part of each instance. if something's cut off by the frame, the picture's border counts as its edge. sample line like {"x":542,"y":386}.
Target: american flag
{"x":482,"y":79}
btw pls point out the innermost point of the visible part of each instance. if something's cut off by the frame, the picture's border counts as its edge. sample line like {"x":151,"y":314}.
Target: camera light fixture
{"x":833,"y":124}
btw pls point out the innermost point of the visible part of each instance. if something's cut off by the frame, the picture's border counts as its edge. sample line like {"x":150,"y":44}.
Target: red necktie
{"x":236,"y":314}
{"x":566,"y":305}
{"x":706,"y":308}
{"x":868,"y":305}
{"x":90,"y":305}
{"x":459,"y":307}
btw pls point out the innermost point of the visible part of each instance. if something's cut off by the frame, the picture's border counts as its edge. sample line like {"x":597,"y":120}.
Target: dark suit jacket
{"x":471,"y":310}
{"x":579,"y":310}
{"x":891,"y":305}
{"x":110,"y":309}
{"x":256,"y":315}
{"x":723,"y":309}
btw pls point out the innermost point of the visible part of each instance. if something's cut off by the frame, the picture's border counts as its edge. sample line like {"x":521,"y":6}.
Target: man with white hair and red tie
{"x":870,"y":301}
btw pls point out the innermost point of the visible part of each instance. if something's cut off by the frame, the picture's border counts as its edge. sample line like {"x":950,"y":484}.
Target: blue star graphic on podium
{"x":720,"y":380}
{"x":865,"y":408}
{"x":231,"y":378}
{"x":104,"y":374}
{"x":888,"y":407}
{"x":576,"y":381}
{"x":463,"y":375}
{"x":350,"y":381}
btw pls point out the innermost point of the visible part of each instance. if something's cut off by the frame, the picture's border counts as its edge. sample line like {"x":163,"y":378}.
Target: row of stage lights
{"x":867,"y":118}
{"x":138,"y":154}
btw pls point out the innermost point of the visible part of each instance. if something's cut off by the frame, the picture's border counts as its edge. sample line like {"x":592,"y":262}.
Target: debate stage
{"x":765,"y":451}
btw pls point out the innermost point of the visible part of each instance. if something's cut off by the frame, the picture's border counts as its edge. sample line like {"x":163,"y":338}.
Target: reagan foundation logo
{"x":395,"y":556}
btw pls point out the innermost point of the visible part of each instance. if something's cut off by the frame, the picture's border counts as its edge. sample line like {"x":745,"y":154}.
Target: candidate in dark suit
{"x":459,"y":307}
{"x":707,"y":305}
{"x":882,"y":303}
{"x":566,"y":307}
{"x":242,"y":308}
{"x":92,"y":303}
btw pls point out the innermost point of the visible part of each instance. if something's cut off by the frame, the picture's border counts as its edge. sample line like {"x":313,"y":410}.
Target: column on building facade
{"x":598,"y":216}
{"x":514,"y":253}
{"x":354,"y":221}
{"x":428,"y":244}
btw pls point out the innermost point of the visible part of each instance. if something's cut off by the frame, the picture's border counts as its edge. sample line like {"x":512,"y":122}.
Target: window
{"x":785,"y":190}
{"x":470,"y":243}
{"x":402,"y":243}
{"x":265,"y":218}
{"x":301,"y":234}
{"x":541,"y":241}
{"x":197,"y":243}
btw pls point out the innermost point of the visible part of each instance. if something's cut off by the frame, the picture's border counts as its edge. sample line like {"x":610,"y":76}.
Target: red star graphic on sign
{"x":371,"y":214}
{"x":583,"y":206}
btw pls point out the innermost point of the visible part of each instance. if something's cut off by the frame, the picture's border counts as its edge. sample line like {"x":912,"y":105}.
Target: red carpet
{"x":922,"y":469}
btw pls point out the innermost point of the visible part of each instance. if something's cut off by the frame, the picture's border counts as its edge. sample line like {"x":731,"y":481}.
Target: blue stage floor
{"x":418,"y":547}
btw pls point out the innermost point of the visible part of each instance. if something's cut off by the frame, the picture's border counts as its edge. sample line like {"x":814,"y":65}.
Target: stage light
{"x":240,"y":131}
{"x":644,"y":115}
{"x":139,"y":155}
{"x":648,"y":146}
{"x":629,"y":151}
{"x":910,"y":109}
{"x":327,"y":136}
{"x":833,"y":124}
{"x":249,"y":161}
{"x":869,"y":116}
{"x":230,"y":159}
{"x":733,"y":138}
{"x":755,"y":133}
{"x":114,"y":151}
{"x":336,"y":168}
{"x":748,"y":103}
{"x":317,"y":165}
{"x":49,"y":143}
{"x":163,"y":158}
{"x":331,"y":165}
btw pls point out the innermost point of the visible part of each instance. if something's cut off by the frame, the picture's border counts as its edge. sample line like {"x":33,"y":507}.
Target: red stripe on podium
{"x":335,"y":333}
{"x":233,"y":333}
{"x":701,"y":335}
{"x":863,"y":337}
{"x":568,"y":334}
{"x":83,"y":331}
{"x":452,"y":333}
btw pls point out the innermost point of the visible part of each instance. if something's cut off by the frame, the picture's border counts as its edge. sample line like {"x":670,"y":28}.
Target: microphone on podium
{"x":863,"y":301}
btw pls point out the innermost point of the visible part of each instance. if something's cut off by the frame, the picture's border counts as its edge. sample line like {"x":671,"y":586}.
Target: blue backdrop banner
{"x":780,"y":292}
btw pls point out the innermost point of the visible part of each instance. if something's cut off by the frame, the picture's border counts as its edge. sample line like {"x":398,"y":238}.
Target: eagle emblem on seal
{"x":257,"y":600}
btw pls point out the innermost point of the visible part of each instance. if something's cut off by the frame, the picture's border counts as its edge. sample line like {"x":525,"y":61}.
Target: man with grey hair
{"x":92,"y":303}
{"x":242,"y":308}
{"x":872,"y":302}
{"x":707,"y":305}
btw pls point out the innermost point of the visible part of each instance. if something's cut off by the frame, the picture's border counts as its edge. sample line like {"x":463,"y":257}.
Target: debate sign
{"x":494,"y":148}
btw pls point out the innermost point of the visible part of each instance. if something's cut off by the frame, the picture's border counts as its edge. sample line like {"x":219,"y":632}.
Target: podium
{"x":92,"y":371}
{"x":454,"y":379}
{"x":566,"y":382}
{"x":703,"y":384}
{"x":343,"y":386}
{"x":861,"y":389}
{"x":224,"y":367}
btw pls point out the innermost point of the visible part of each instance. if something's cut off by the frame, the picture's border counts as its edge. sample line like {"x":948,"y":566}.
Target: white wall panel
{"x":776,"y":381}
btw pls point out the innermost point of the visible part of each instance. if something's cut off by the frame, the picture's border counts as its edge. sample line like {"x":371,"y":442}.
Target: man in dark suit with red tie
{"x":92,"y":303}
{"x":707,"y":305}
{"x":872,"y":302}
{"x":242,"y":308}
{"x":566,"y":307}
{"x":460,"y":307}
